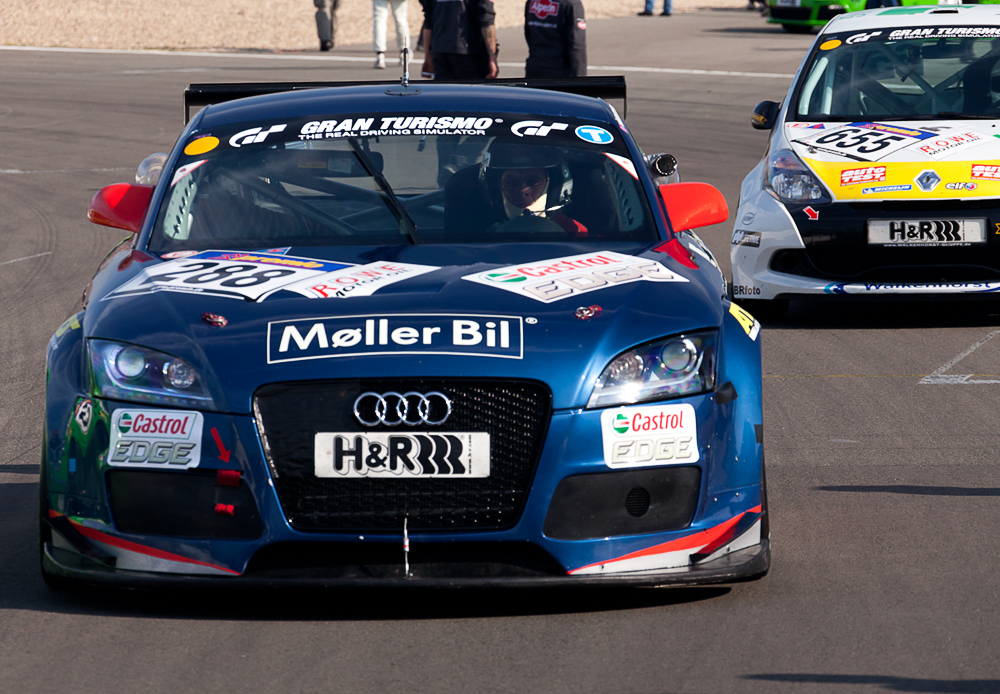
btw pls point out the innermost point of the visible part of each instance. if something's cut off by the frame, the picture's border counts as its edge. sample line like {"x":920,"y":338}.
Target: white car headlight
{"x":791,"y":181}
{"x":138,"y":374}
{"x":669,"y":368}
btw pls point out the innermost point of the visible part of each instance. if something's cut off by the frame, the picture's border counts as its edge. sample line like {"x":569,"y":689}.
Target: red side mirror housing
{"x":693,"y":205}
{"x":121,"y":206}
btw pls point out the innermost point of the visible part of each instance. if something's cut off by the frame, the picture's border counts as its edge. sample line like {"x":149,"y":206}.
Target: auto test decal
{"x":563,"y":278}
{"x":371,"y":335}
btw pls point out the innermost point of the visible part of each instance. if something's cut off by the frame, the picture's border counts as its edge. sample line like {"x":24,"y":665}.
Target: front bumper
{"x":123,"y":525}
{"x":822,"y":250}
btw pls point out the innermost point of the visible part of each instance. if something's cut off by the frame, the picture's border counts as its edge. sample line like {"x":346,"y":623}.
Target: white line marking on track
{"x":939,"y":377}
{"x":27,"y":257}
{"x":17,"y":172}
{"x":358,"y":59}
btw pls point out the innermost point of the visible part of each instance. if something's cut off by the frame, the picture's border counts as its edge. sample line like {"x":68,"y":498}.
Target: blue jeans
{"x":667,"y":6}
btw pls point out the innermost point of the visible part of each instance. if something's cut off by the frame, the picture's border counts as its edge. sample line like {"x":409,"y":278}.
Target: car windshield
{"x":400,"y":178}
{"x":903,"y":74}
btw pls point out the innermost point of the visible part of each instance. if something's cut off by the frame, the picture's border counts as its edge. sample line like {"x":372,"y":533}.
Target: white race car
{"x":882,"y":172}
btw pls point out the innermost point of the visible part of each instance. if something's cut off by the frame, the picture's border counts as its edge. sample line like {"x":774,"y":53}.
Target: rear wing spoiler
{"x":200,"y":95}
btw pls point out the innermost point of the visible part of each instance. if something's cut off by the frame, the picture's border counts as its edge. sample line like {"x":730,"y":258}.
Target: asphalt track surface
{"x":883,"y":488}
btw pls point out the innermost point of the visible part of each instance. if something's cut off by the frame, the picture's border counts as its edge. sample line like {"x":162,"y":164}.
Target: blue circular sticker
{"x":594,"y":135}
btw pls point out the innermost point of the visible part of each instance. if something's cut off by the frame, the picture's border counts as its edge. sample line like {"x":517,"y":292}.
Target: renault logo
{"x":927,"y":180}
{"x":393,"y":409}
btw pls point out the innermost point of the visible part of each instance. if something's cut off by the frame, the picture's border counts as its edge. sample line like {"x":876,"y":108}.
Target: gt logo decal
{"x":749,"y":324}
{"x":254,"y":135}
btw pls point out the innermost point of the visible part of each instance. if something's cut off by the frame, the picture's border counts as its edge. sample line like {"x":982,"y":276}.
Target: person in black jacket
{"x":557,"y":42}
{"x":460,"y":39}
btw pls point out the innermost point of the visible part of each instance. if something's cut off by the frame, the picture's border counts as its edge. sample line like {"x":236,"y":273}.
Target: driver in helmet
{"x":532,"y":182}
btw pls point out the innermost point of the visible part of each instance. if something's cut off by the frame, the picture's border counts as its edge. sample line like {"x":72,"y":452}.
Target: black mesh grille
{"x":795,"y":13}
{"x":514,"y":413}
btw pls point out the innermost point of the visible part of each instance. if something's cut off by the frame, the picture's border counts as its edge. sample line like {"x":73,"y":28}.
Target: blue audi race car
{"x":428,"y":335}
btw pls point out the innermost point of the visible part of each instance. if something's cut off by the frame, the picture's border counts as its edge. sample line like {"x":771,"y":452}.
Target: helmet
{"x":503,"y":156}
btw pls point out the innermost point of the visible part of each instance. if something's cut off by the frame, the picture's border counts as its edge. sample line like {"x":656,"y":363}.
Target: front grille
{"x":514,"y":413}
{"x":920,"y":265}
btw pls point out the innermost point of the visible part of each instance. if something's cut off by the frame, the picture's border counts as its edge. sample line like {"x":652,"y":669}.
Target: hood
{"x":556,"y":313}
{"x":906,"y":160}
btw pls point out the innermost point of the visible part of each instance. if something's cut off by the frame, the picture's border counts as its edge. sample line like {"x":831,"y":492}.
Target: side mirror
{"x":693,"y":205}
{"x":764,"y":115}
{"x":151,"y":168}
{"x":121,"y":206}
{"x":663,"y":166}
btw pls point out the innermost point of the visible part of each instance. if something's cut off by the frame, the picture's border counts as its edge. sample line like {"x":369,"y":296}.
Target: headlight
{"x":790,"y":180}
{"x":669,"y":368}
{"x":138,"y":374}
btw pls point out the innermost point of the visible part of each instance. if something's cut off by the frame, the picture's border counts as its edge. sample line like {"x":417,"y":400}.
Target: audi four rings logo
{"x":393,"y":409}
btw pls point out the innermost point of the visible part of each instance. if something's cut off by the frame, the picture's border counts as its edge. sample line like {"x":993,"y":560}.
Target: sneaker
{"x":665,"y":14}
{"x":380,"y":61}
{"x":644,"y":14}
{"x":325,"y":45}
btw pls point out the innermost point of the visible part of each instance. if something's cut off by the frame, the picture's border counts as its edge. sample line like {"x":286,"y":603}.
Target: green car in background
{"x":801,"y":16}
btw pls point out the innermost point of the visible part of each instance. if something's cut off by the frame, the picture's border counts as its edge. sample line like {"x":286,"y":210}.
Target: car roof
{"x":919,"y":16}
{"x":422,"y":97}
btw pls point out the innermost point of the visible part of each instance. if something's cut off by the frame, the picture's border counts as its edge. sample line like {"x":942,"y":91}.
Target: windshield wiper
{"x":395,"y":205}
{"x":970,"y":116}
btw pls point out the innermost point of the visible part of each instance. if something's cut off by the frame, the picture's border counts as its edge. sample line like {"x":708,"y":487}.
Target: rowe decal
{"x":866,"y":174}
{"x":359,"y":336}
{"x":360,"y":280}
{"x":562,"y":278}
{"x":155,"y":438}
{"x":644,"y":436}
{"x":445,"y":454}
{"x":229,"y":274}
{"x":947,"y":143}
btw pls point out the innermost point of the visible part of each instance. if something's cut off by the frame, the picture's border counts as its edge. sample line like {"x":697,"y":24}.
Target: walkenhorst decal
{"x":155,"y":438}
{"x":402,"y":454}
{"x":395,"y":334}
{"x":916,"y":288}
{"x":561,"y":278}
{"x":653,"y":435}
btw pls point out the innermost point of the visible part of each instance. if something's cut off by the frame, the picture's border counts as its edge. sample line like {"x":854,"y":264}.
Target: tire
{"x":57,"y":583}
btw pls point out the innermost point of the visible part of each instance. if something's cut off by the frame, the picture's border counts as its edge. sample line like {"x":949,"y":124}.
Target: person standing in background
{"x":380,"y":9}
{"x":326,"y":27}
{"x":650,"y":4}
{"x":460,"y":39}
{"x":557,"y":41}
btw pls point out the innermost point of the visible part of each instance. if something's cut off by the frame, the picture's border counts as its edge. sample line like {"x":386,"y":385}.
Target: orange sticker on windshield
{"x":201,"y":145}
{"x":829,"y":45}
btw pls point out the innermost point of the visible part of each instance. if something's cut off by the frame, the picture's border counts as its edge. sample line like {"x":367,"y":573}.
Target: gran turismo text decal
{"x":396,"y":125}
{"x":643,"y":436}
{"x":369,"y":335}
{"x":563,"y":278}
{"x":155,"y":438}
